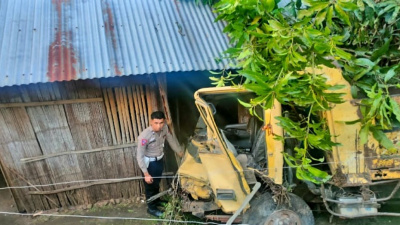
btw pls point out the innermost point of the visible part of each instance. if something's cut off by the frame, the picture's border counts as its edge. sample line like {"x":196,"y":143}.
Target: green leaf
{"x":244,"y":54}
{"x":214,"y":78}
{"x":394,"y":17}
{"x":382,"y":50}
{"x":221,"y":83}
{"x":318,"y":6}
{"x":299,"y":57}
{"x":252,"y":75}
{"x":247,"y":105}
{"x":318,"y":173}
{"x":304,"y":13}
{"x":351,"y":122}
{"x":342,"y":54}
{"x":377,"y":100}
{"x":320,"y":17}
{"x":360,"y":5}
{"x":382,"y":138}
{"x":395,"y":108}
{"x":329,"y":15}
{"x":370,"y":3}
{"x":387,"y":8}
{"x":364,"y":134}
{"x":361,"y":74}
{"x":214,"y":72}
{"x":233,"y":51}
{"x":276,"y":25}
{"x":349,"y":6}
{"x":342,"y":14}
{"x":390,"y":73}
{"x":354,"y":91}
{"x":269,"y":5}
{"x":255,"y":20}
{"x":290,"y":160}
{"x":336,"y":87}
{"x":364,"y":62}
{"x":313,"y":32}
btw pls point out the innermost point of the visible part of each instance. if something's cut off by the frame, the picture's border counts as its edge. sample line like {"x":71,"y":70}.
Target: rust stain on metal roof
{"x":116,"y":70}
{"x":58,"y":3}
{"x":109,"y":27}
{"x":177,"y":7}
{"x":62,"y":59}
{"x":181,"y":25}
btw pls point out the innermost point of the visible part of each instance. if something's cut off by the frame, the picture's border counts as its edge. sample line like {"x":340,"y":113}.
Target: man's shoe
{"x":161,"y":205}
{"x":154,"y":212}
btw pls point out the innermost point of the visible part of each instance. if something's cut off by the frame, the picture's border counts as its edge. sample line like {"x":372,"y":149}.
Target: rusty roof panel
{"x":56,"y":40}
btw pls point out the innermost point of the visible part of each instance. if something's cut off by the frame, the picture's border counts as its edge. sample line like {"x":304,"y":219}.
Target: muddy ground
{"x":136,"y":208}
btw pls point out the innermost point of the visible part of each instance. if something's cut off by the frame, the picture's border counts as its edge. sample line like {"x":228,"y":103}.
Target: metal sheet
{"x":57,"y":40}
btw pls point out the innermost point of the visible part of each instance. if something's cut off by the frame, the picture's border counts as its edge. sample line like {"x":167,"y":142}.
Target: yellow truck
{"x":234,"y":170}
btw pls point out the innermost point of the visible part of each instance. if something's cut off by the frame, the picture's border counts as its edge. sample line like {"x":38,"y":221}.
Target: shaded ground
{"x":131,"y":210}
{"x":7,"y":205}
{"x":138,"y":210}
{"x":128,"y":209}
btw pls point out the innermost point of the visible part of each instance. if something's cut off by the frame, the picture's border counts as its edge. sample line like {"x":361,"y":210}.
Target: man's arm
{"x":141,"y":147}
{"x":173,"y":142}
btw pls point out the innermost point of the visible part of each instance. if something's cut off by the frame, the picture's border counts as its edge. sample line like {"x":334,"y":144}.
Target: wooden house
{"x":78,"y":82}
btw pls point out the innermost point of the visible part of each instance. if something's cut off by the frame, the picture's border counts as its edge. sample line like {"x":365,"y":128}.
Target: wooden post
{"x":109,"y":115}
{"x":132,"y":113}
{"x":152,"y":99}
{"x":162,"y":85}
{"x":114,"y":114}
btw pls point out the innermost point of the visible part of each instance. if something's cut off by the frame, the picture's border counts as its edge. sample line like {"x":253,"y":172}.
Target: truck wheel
{"x":266,"y":212}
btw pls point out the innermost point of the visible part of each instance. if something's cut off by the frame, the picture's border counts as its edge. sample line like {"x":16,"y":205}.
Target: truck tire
{"x":264,"y":211}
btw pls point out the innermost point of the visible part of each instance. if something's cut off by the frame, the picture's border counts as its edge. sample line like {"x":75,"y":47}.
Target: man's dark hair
{"x":157,"y":115}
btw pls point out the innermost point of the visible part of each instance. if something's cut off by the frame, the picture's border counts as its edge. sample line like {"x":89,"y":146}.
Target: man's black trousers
{"x":155,"y":169}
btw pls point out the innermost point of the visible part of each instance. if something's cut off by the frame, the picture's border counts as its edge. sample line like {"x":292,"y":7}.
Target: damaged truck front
{"x":234,"y":165}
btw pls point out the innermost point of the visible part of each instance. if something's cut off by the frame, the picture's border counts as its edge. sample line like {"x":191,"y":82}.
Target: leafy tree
{"x":279,"y":51}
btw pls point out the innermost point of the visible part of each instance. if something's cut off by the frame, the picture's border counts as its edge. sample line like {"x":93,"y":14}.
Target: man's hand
{"x":180,"y":154}
{"x":148,"y":178}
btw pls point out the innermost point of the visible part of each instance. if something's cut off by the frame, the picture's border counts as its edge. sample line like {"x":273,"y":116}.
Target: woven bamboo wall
{"x":72,"y":131}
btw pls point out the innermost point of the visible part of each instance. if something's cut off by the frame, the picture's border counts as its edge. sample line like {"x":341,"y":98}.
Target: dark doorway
{"x":181,"y":87}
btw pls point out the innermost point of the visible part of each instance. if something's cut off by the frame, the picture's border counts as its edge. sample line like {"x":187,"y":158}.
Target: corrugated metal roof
{"x":46,"y":41}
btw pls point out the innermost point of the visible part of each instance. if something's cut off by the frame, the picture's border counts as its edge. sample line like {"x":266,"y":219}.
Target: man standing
{"x":150,"y":152}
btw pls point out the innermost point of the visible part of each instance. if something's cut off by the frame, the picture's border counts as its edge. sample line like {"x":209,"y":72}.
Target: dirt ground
{"x":137,"y":209}
{"x":127,"y":209}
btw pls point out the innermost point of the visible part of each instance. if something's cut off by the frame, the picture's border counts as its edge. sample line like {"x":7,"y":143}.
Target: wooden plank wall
{"x":44,"y":130}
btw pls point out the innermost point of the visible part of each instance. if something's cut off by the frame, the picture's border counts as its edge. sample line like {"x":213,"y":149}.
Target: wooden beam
{"x":30,"y":184}
{"x":58,"y":102}
{"x":37,"y":158}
